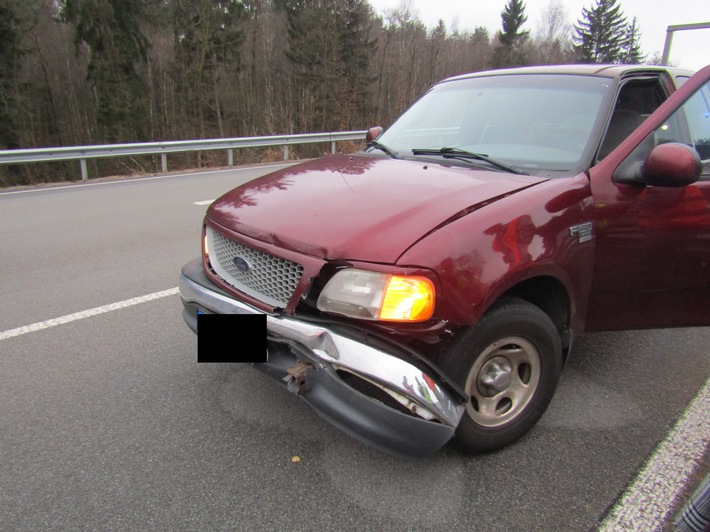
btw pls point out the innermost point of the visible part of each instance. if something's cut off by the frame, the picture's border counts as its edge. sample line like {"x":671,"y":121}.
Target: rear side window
{"x":697,"y":113}
{"x":689,"y":124}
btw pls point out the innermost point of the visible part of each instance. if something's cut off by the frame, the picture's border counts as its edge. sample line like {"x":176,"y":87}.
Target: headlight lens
{"x":378,"y":296}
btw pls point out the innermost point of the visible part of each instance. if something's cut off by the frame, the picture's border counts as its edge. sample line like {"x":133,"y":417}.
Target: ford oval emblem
{"x":241,"y":264}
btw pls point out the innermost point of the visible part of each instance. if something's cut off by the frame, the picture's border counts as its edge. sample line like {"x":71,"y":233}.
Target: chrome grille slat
{"x":270,"y":279}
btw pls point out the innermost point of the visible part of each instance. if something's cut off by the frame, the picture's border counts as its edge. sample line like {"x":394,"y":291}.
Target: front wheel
{"x":509,"y":365}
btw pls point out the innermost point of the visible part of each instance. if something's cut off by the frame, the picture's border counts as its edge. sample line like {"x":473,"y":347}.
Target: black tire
{"x":509,"y":364}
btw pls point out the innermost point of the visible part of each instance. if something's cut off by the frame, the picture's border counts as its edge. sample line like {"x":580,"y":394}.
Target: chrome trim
{"x":395,"y":375}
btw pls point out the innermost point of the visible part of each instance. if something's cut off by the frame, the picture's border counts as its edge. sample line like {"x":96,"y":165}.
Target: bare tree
{"x":553,"y":34}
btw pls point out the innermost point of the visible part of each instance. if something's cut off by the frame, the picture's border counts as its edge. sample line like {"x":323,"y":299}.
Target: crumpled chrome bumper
{"x":312,"y":358}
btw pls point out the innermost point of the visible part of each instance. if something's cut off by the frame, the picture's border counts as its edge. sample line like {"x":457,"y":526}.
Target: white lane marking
{"x":205,"y":202}
{"x":86,"y":314}
{"x":646,"y":503}
{"x":151,"y":178}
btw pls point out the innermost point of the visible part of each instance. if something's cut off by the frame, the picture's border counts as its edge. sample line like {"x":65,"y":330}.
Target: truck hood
{"x":363,"y":208}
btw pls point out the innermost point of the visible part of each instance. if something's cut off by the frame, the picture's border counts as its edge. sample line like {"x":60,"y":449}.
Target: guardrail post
{"x":332,"y":147}
{"x":164,"y":162}
{"x":285,"y":152}
{"x":230,"y":157}
{"x":84,"y":171}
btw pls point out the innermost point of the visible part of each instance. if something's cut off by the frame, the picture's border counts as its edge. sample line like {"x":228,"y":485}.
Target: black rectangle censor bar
{"x":231,"y":338}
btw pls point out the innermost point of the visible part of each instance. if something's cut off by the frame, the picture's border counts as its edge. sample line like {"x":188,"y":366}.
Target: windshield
{"x":541,"y":124}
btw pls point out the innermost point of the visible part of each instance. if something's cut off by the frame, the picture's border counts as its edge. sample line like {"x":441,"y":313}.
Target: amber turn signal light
{"x":407,"y":299}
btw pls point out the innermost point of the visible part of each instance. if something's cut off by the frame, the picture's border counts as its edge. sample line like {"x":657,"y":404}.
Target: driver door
{"x":652,"y":262}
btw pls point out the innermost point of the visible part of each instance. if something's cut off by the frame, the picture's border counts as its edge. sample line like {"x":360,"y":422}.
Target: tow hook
{"x":296,"y":378}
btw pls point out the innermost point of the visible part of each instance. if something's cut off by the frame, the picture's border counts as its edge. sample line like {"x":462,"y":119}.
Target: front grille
{"x":263,"y":276}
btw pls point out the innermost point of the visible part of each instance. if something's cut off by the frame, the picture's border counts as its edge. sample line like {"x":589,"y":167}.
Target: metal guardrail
{"x":83,"y":153}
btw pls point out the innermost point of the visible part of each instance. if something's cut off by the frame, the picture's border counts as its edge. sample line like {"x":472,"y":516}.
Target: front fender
{"x":544,"y":231}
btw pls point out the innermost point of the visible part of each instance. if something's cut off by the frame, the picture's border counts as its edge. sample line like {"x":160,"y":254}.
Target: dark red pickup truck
{"x":431,"y":287}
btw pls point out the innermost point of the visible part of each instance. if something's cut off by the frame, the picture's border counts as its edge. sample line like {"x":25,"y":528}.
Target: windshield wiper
{"x":457,"y":153}
{"x":389,"y":151}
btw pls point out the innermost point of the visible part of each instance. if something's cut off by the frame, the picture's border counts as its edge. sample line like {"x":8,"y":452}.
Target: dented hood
{"x":359,"y":207}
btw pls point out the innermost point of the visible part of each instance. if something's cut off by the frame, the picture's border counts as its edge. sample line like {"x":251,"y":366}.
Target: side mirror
{"x":672,"y":165}
{"x":373,"y":133}
{"x":667,"y":165}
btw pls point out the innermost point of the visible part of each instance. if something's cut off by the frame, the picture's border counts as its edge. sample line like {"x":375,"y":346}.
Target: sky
{"x":690,"y":48}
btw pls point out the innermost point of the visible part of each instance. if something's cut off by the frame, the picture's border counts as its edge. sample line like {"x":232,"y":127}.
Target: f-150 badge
{"x":583,"y":231}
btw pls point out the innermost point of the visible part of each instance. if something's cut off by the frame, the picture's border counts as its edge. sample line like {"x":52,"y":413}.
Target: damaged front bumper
{"x":339,"y":376}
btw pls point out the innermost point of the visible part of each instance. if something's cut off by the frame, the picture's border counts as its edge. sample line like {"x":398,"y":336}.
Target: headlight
{"x":378,"y":296}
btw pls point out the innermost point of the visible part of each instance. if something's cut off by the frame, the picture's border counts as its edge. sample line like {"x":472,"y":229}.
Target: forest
{"x":86,"y":72}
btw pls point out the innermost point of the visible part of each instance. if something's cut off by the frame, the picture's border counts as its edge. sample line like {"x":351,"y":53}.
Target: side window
{"x":690,"y":125}
{"x":636,"y":101}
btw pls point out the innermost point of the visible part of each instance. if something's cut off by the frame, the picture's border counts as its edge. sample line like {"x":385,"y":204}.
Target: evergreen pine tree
{"x":207,"y":40}
{"x":10,"y":61}
{"x":631,"y":52}
{"x":510,"y":51}
{"x":600,"y":33}
{"x":329,"y":47}
{"x":111,"y":31}
{"x":356,"y":46}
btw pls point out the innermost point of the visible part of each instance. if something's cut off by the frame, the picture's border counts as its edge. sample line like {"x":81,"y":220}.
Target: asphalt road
{"x":108,"y":422}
